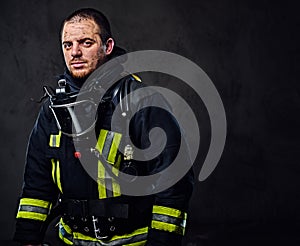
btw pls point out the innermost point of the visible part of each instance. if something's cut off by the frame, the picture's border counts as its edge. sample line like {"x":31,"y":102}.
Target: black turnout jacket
{"x":54,"y":171}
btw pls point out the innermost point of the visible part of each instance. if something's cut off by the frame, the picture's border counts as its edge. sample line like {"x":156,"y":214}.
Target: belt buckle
{"x":96,"y":229}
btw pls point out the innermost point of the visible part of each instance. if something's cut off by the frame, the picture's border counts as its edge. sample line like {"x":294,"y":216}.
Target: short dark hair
{"x":93,"y":14}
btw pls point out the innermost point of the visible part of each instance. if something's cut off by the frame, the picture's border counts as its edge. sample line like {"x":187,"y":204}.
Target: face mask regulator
{"x":73,"y":118}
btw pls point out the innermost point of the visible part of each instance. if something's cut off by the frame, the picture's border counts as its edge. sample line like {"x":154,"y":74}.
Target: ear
{"x":110,"y":43}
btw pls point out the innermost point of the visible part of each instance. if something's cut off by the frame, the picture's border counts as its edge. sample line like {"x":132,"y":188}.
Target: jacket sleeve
{"x":39,"y":191}
{"x":169,"y":212}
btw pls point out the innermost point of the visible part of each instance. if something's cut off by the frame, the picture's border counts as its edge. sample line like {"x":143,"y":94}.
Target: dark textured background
{"x":250,"y":51}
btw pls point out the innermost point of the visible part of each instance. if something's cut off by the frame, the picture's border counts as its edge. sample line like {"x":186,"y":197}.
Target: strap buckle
{"x":96,"y":229}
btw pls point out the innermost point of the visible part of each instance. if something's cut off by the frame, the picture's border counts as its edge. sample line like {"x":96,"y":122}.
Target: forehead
{"x":79,"y":28}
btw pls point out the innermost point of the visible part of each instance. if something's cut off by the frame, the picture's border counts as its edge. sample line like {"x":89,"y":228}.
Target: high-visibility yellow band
{"x":141,"y":243}
{"x":136,"y":238}
{"x":65,"y":226}
{"x":53,"y":170}
{"x":103,"y":178}
{"x":55,"y":140}
{"x":169,"y":211}
{"x":136,"y":77}
{"x":64,"y":239}
{"x":101,"y":140}
{"x":31,"y":215}
{"x":35,"y":202}
{"x":31,"y":208}
{"x":108,"y":144}
{"x":101,"y":181}
{"x":58,"y":176}
{"x":80,"y":236}
{"x":114,"y":148}
{"x":65,"y":233}
{"x":167,"y":227}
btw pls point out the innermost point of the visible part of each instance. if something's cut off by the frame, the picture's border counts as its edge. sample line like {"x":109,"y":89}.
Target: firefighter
{"x":93,"y":211}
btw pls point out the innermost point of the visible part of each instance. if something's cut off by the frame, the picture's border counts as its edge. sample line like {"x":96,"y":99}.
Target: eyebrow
{"x":80,"y":40}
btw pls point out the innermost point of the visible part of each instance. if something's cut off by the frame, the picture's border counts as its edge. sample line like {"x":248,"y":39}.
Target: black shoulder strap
{"x":120,"y":91}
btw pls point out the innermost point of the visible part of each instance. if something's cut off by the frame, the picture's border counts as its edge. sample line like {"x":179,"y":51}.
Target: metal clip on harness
{"x":61,"y":100}
{"x":96,"y":229}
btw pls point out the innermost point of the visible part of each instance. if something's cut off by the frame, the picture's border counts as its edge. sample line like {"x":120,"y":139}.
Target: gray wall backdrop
{"x":250,"y":51}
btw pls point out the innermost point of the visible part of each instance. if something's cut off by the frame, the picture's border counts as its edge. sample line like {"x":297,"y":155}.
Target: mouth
{"x":78,"y":64}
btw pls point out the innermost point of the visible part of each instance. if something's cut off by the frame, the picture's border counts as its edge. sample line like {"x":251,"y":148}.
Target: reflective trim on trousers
{"x":136,"y":238}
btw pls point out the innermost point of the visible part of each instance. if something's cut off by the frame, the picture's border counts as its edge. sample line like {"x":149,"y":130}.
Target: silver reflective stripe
{"x":117,"y":242}
{"x":108,"y":185}
{"x":86,"y":243}
{"x":80,"y":239}
{"x":53,"y":141}
{"x":105,"y":152}
{"x":35,"y":209}
{"x":169,"y":219}
{"x":107,"y":144}
{"x":133,"y":239}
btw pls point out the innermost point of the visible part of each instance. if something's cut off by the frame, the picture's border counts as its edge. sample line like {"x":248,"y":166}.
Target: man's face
{"x":82,"y":47}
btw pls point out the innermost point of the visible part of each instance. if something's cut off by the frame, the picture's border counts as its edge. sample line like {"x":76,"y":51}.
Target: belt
{"x":97,"y":218}
{"x":99,"y":208}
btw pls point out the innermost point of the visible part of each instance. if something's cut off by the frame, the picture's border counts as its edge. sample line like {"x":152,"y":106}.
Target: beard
{"x":85,"y":72}
{"x":80,"y":74}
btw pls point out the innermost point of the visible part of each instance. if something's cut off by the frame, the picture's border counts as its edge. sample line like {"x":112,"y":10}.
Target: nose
{"x":76,"y":51}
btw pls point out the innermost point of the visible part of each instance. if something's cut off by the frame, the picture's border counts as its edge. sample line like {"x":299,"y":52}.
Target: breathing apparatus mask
{"x":74,"y":118}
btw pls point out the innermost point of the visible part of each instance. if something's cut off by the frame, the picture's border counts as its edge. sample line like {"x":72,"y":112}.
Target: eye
{"x":67,"y":45}
{"x":87,"y":43}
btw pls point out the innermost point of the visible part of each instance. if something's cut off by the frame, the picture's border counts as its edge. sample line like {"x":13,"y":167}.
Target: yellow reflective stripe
{"x":101,"y":140}
{"x":116,"y":190}
{"x":58,"y":176}
{"x":80,"y":236}
{"x":104,"y":139}
{"x":53,"y":170}
{"x":136,"y":238}
{"x":65,"y":226}
{"x":31,"y":215}
{"x":31,"y":208}
{"x":56,"y":173}
{"x":64,"y":232}
{"x":139,"y":231}
{"x":112,"y":140}
{"x":65,"y":240}
{"x":35,"y":202}
{"x":136,"y":77}
{"x":101,"y":181}
{"x":55,"y":140}
{"x":115,"y":184}
{"x":169,"y":211}
{"x":135,"y":235}
{"x":167,"y":227}
{"x":168,"y":219}
{"x":114,"y":148}
{"x":141,"y":243}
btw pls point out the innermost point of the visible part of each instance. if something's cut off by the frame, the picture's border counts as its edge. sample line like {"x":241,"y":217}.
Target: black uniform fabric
{"x":76,"y":182}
